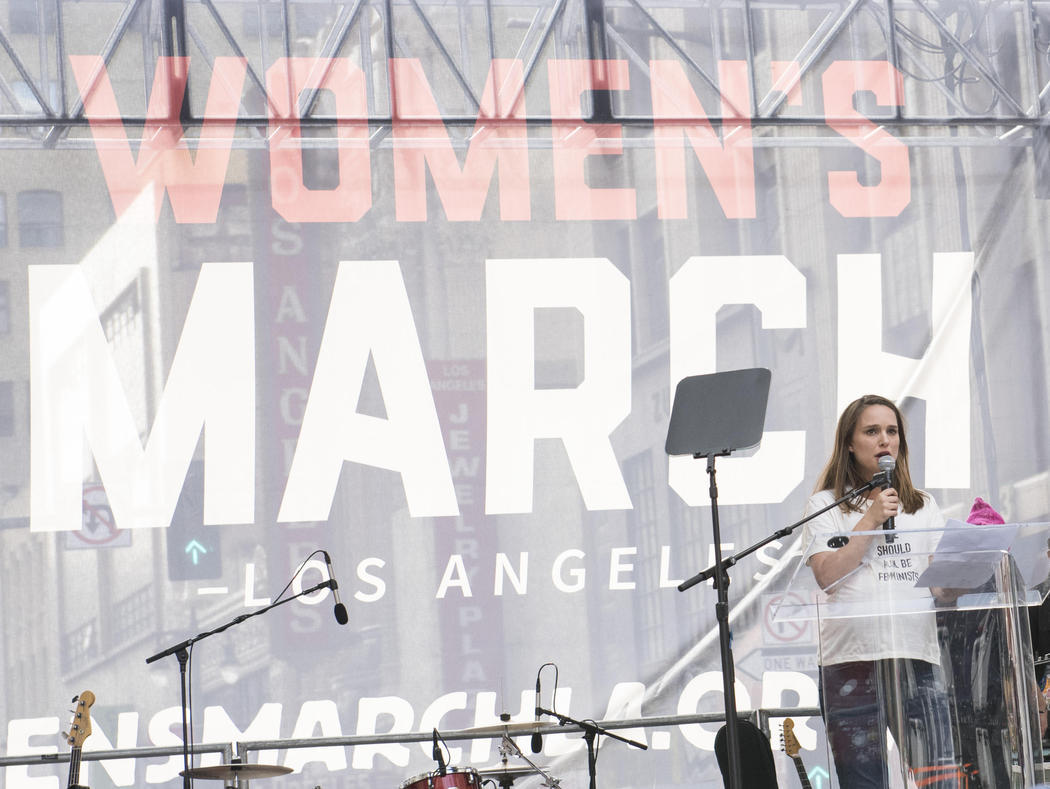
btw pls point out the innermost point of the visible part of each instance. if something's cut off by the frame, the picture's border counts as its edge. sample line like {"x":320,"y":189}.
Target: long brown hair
{"x":841,"y":474}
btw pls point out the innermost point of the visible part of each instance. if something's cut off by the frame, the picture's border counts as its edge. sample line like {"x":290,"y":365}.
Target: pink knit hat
{"x":982,"y":514}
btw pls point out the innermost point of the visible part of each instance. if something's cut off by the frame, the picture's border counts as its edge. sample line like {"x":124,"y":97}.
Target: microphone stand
{"x":590,"y":732}
{"x":718,"y":571}
{"x":878,"y":481}
{"x":181,"y":653}
{"x":713,"y":416}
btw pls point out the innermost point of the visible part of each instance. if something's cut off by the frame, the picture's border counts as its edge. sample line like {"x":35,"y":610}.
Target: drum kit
{"x":465,"y":778}
{"x":503,"y":775}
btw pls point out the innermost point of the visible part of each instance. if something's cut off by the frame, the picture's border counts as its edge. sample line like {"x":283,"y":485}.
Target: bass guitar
{"x":791,"y":748}
{"x":79,"y":730}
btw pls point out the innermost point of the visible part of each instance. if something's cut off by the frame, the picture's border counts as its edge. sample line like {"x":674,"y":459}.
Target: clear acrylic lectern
{"x":978,"y":724}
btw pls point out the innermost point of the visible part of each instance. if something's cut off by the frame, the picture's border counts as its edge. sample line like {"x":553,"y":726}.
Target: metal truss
{"x":963,"y":63}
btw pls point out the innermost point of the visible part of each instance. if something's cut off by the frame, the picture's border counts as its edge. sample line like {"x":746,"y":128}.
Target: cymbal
{"x":245,"y":771}
{"x":505,"y":770}
{"x":504,"y":774}
{"x":499,"y":729}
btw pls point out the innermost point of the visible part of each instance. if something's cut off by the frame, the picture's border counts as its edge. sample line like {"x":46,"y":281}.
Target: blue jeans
{"x":864,"y":699}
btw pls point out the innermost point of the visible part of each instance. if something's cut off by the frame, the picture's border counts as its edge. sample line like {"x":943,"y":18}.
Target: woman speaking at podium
{"x":877,"y":672}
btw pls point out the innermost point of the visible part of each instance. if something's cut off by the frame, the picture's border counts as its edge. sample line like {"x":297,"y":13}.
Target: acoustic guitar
{"x":791,"y":748}
{"x":79,"y":730}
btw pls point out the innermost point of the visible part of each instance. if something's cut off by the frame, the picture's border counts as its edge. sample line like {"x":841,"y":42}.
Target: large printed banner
{"x":445,"y":354}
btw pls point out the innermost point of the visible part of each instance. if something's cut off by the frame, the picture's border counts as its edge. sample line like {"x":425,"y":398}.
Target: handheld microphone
{"x":537,"y":739}
{"x":340,"y":610}
{"x":887,"y":464}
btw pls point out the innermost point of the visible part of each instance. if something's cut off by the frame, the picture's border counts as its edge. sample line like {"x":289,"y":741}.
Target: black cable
{"x":298,"y":570}
{"x":554,"y":695}
{"x":955,"y":74}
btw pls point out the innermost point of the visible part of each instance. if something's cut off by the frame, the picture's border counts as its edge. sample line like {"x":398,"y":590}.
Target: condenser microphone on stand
{"x":341,"y":615}
{"x":537,"y":739}
{"x":438,"y":756}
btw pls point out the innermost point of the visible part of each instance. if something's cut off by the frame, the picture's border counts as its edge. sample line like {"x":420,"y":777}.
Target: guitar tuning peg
{"x":74,"y":699}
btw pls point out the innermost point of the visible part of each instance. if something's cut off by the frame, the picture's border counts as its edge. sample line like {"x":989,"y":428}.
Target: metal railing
{"x":759,"y":717}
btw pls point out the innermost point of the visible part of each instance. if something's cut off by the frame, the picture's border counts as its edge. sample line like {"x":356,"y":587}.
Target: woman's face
{"x":876,"y":434}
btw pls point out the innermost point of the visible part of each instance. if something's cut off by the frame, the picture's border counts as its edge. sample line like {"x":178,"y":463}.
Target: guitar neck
{"x":79,"y":730}
{"x":801,"y":770}
{"x":74,"y":769}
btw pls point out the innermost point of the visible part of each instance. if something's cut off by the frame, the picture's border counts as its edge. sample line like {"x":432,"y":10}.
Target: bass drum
{"x":455,"y":778}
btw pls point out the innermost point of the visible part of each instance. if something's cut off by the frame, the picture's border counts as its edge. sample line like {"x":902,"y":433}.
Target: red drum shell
{"x":455,"y":778}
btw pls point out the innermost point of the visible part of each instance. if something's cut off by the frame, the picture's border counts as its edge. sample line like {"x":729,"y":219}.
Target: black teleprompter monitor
{"x":719,"y":413}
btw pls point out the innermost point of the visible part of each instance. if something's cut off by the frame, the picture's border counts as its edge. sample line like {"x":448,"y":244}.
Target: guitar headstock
{"x":790,"y":742}
{"x":80,"y":726}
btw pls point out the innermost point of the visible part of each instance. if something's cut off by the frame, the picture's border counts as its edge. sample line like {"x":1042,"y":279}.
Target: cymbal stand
{"x":508,"y":747}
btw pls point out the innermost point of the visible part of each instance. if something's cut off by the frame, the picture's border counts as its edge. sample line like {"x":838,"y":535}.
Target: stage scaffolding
{"x":973,"y":72}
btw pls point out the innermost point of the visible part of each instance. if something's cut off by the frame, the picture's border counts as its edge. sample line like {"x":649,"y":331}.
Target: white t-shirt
{"x":877,"y":611}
